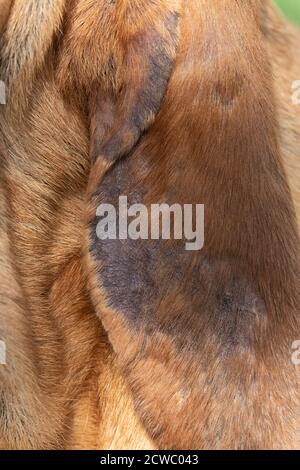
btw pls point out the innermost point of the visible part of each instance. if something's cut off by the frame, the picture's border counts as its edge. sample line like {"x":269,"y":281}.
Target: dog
{"x":139,"y":344}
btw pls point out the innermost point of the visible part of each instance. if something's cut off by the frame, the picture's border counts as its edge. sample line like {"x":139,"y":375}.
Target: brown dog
{"x":142,"y":344}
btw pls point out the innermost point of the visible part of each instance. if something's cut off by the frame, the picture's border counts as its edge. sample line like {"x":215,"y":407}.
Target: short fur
{"x":198,"y":346}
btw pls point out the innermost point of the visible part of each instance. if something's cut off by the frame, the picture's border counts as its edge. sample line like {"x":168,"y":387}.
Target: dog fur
{"x":88,"y":368}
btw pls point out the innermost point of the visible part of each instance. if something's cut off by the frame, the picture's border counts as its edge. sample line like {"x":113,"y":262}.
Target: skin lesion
{"x":226,"y":92}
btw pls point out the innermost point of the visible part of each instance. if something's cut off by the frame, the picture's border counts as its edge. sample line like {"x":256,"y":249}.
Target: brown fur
{"x":5,"y":6}
{"x":199,"y":357}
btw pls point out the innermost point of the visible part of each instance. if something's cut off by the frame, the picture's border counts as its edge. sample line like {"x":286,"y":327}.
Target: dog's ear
{"x":194,"y":331}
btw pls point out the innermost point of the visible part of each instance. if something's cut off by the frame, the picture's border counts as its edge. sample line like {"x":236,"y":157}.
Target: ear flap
{"x":123,"y":56}
{"x":147,"y":42}
{"x":194,"y":331}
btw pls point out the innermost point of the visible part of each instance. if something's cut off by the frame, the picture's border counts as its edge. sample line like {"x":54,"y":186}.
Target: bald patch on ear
{"x":146,"y":70}
{"x":121,"y":57}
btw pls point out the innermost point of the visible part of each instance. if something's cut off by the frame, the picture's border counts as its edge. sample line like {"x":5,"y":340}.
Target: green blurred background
{"x":291,"y":8}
